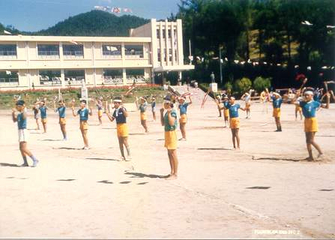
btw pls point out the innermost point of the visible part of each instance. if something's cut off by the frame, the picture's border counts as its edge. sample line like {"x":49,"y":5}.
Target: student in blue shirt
{"x":120,"y":114}
{"x":143,"y":108}
{"x":21,"y":119}
{"x":276,"y":103}
{"x":170,"y":123}
{"x":83,"y":113}
{"x":153,"y":108}
{"x":62,"y":120}
{"x":183,"y":115}
{"x":43,"y":111}
{"x":309,"y":108}
{"x":234,"y":121}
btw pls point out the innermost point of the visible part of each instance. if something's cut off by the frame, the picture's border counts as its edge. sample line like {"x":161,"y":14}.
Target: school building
{"x":62,"y":61}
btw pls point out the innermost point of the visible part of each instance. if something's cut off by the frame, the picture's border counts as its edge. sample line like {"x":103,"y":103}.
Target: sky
{"x":34,"y":15}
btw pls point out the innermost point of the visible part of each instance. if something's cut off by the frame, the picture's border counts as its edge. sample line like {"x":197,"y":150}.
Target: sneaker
{"x":35,"y":163}
{"x":85,"y":148}
{"x":64,"y":139}
{"x":25,"y":165}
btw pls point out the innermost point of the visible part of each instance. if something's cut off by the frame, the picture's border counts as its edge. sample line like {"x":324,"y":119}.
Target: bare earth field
{"x":265,"y":190}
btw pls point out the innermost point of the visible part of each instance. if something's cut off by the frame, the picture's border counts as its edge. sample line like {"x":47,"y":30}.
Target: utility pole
{"x":221,"y":80}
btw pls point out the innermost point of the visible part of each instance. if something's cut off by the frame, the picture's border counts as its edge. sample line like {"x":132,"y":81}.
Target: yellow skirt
{"x":276,"y":112}
{"x":99,"y":113}
{"x":311,"y":125}
{"x":234,"y":123}
{"x":83,"y":125}
{"x":44,"y":120}
{"x":171,"y":140}
{"x":183,"y":118}
{"x":62,"y":121}
{"x":226,"y":113}
{"x":143,"y":116}
{"x":122,"y":130}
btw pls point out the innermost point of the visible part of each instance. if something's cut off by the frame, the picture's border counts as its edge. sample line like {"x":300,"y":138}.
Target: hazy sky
{"x":33,"y":15}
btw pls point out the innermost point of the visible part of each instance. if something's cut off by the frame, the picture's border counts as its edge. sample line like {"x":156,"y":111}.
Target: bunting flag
{"x":116,"y":10}
{"x":6,"y":32}
{"x":330,"y":26}
{"x":127,"y":10}
{"x":113,"y":9}
{"x":74,"y":42}
{"x":306,"y":23}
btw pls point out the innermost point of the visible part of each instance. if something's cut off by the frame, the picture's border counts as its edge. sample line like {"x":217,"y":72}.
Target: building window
{"x":7,"y":51}
{"x":159,"y":55}
{"x":48,"y":51}
{"x":169,"y":33}
{"x":74,"y":77}
{"x":111,"y":50}
{"x":50,"y":77}
{"x":113,"y":76}
{"x":9,"y":78}
{"x":73,"y":51}
{"x":135,"y":75}
{"x":163,"y":31}
{"x":158,"y":34}
{"x":170,"y":55}
{"x":134,"y":51}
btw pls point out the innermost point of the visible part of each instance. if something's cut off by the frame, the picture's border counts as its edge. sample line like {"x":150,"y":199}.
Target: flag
{"x":6,"y":32}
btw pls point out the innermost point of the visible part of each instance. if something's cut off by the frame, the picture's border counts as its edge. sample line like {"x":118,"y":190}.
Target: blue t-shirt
{"x":143,"y":107}
{"x":83,"y":113}
{"x":233,"y":110}
{"x":167,"y":126}
{"x":225,"y":104}
{"x":309,"y":108}
{"x":183,"y":108}
{"x":61,"y":112}
{"x":21,"y":121}
{"x":119,"y":116}
{"x":276,"y":102}
{"x":153,"y":105}
{"x":43,"y":111}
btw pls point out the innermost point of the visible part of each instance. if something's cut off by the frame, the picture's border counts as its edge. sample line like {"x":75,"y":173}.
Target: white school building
{"x":63,"y":61}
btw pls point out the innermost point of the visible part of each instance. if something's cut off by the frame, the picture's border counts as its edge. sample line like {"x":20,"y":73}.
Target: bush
{"x":261,"y":83}
{"x":228,"y":86}
{"x":242,"y":85}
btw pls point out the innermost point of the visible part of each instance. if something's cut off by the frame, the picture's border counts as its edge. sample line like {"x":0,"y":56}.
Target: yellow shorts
{"x":62,"y":121}
{"x":234,"y":123}
{"x":171,"y":140}
{"x":276,"y":112}
{"x":99,"y":113}
{"x":298,"y":108}
{"x":311,"y":125}
{"x":183,"y":118}
{"x":122,"y":130}
{"x":83,"y":125}
{"x":44,"y":120}
{"x":226,"y":113}
{"x":143,"y":116}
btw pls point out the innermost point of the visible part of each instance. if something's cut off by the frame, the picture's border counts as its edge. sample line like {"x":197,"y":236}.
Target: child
{"x":309,"y":107}
{"x":183,"y":115}
{"x":120,"y":115}
{"x":62,"y":121}
{"x":247,"y":99}
{"x":100,"y":107}
{"x":43,"y":110}
{"x":169,"y":121}
{"x":218,"y":100}
{"x":234,"y":121}
{"x":225,"y":110}
{"x":21,"y":120}
{"x":83,"y":113}
{"x":153,"y":108}
{"x":298,"y":109}
{"x":276,"y":102}
{"x":143,"y":107}
{"x":36,"y":110}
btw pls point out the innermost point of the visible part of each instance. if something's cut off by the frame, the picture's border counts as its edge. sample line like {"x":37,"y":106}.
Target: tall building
{"x":38,"y":61}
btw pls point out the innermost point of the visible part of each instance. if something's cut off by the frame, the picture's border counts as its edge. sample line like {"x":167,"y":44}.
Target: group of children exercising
{"x":168,"y":117}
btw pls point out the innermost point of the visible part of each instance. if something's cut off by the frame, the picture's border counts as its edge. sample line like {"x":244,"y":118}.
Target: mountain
{"x":94,"y":23}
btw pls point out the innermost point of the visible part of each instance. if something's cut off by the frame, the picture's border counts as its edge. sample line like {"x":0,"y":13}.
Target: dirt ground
{"x":265,"y":190}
